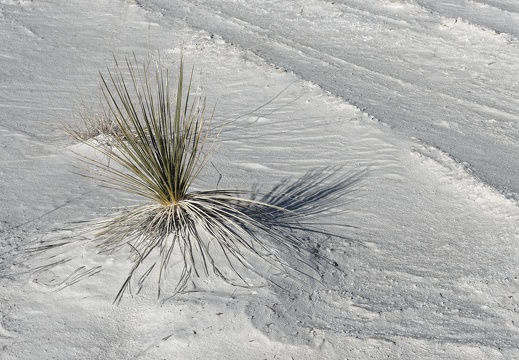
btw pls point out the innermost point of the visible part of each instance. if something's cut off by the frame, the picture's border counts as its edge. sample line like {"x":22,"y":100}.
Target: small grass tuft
{"x":92,"y":124}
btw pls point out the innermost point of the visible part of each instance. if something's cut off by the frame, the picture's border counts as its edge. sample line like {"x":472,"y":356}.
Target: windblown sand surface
{"x":417,"y":98}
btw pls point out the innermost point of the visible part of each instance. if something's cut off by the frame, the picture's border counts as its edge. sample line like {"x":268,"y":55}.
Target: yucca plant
{"x":160,"y":147}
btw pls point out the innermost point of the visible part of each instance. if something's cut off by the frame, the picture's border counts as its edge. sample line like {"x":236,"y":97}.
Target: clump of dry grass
{"x":159,"y":144}
{"x":92,"y":124}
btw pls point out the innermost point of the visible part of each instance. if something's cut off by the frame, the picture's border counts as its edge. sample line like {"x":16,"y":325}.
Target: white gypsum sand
{"x":430,"y":270}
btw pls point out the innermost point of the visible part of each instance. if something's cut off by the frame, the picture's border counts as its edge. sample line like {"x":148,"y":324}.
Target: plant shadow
{"x":316,"y":193}
{"x":301,"y":215}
